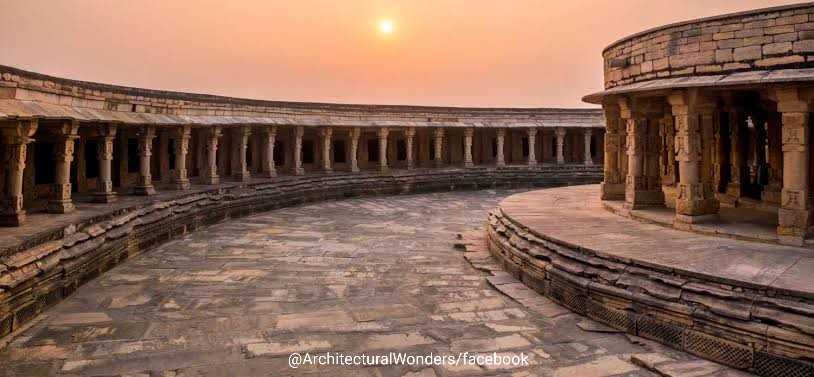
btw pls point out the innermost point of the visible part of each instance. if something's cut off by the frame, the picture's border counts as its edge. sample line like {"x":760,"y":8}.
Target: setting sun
{"x":386,"y":26}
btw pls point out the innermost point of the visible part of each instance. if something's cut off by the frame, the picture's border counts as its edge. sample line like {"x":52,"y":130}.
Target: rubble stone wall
{"x":780,"y":37}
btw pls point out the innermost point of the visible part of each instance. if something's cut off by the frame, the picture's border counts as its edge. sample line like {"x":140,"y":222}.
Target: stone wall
{"x":780,"y":37}
{"x":41,"y":270}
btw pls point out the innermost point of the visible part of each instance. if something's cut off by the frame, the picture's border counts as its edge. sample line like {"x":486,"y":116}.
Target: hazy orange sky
{"x":512,"y":53}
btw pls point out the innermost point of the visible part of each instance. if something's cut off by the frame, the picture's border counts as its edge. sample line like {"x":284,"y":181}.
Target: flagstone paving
{"x":356,"y":276}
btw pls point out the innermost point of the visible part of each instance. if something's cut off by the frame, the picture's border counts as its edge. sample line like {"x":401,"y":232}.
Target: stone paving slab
{"x":356,"y":276}
{"x":574,"y":215}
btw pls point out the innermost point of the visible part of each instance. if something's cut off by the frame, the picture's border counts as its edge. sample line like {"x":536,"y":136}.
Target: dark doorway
{"x":373,"y":150}
{"x":339,"y":155}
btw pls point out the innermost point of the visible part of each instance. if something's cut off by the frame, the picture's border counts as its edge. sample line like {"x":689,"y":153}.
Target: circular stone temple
{"x":708,"y":133}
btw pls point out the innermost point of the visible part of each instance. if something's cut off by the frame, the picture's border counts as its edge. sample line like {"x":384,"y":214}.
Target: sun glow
{"x":386,"y":26}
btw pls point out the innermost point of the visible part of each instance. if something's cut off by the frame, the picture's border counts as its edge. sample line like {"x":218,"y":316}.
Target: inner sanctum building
{"x":66,"y":141}
{"x":711,"y":118}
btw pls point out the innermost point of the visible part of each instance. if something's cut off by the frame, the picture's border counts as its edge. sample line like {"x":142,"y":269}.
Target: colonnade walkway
{"x":355,"y":276}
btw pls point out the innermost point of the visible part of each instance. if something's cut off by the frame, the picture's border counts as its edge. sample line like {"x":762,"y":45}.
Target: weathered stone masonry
{"x":196,"y":160}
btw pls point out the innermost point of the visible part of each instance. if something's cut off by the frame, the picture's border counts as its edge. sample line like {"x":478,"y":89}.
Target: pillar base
{"x":354,"y":169}
{"x":410,"y":166}
{"x":733,"y":193}
{"x":794,"y":225}
{"x":500,"y":164}
{"x":532,"y":164}
{"x":699,"y":207}
{"x":182,"y":185}
{"x":12,"y":219}
{"x":144,"y":190}
{"x":560,"y":162}
{"x":771,"y":194}
{"x":299,"y":171}
{"x":243,"y":176}
{"x":213,"y":180}
{"x":612,"y":191}
{"x":384,"y":168}
{"x":327,"y":171}
{"x":437,"y":164}
{"x":469,"y":164}
{"x":588,"y":162}
{"x":684,"y":221}
{"x":103,"y":197}
{"x":59,"y":206}
{"x":270,"y":174}
{"x":643,"y":198}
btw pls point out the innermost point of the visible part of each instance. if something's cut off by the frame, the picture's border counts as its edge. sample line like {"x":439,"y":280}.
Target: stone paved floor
{"x":356,"y":276}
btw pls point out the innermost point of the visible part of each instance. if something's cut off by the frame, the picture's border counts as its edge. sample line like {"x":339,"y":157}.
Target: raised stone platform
{"x":51,"y":256}
{"x":744,"y":304}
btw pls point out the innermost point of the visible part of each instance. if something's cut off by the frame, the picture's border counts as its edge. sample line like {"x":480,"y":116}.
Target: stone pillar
{"x":15,"y":137}
{"x":60,"y":200}
{"x":468,"y":133}
{"x":383,"y":132}
{"x":707,"y":128}
{"x":612,"y":187}
{"x":209,"y":173}
{"x":589,"y":160}
{"x":355,"y":133}
{"x":772,"y":192}
{"x":532,"y":160}
{"x":326,"y":132}
{"x":501,"y":136}
{"x":298,"y":132}
{"x":737,"y":167}
{"x":269,"y":138}
{"x":668,"y":155}
{"x":695,"y":200}
{"x":794,"y":215}
{"x":410,"y":134}
{"x":145,"y":151}
{"x":439,"y":144}
{"x":240,"y":140}
{"x":180,"y":179}
{"x":639,"y":188}
{"x":104,"y":191}
{"x":560,"y":141}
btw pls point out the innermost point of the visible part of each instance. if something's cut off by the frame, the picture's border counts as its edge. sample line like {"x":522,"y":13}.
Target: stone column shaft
{"x":298,"y":132}
{"x":410,"y":134}
{"x":15,"y":137}
{"x":612,"y":187}
{"x":560,"y":141}
{"x":327,"y":132}
{"x":240,"y":141}
{"x":532,"y":135}
{"x":694,"y":200}
{"x":383,"y":132}
{"x":589,"y":160}
{"x":501,"y":136}
{"x":268,"y":162}
{"x":439,"y":144}
{"x":794,"y":215}
{"x":209,"y":173}
{"x":468,"y":133}
{"x":355,"y":133}
{"x":145,"y":149}
{"x":104,"y":191}
{"x":181,"y":147}
{"x":60,"y":200}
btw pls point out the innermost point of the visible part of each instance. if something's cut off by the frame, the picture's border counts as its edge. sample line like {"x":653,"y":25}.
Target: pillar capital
{"x":791,"y":99}
{"x":560,"y":132}
{"x":326,"y":131}
{"x":532,"y":131}
{"x":383,"y":132}
{"x":18,"y":132}
{"x":409,"y":132}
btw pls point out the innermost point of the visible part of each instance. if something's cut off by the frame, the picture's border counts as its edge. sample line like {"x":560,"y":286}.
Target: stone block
{"x":692,"y":59}
{"x":803,"y":46}
{"x":769,"y":62}
{"x":747,"y":53}
{"x":776,"y":48}
{"x":723,"y":55}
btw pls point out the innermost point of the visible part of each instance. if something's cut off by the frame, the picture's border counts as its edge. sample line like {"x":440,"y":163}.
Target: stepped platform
{"x":749,"y":305}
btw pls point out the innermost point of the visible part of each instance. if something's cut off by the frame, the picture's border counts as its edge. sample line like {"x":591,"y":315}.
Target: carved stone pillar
{"x":560,"y":141}
{"x":640,"y":190}
{"x":532,"y":136}
{"x":794,"y":215}
{"x":326,"y":133}
{"x":182,"y":135}
{"x":355,"y":133}
{"x":240,"y":141}
{"x":439,"y":144}
{"x":667,"y":157}
{"x":104,"y":190}
{"x":15,"y":137}
{"x":589,"y":160}
{"x":772,"y":192}
{"x":410,"y":134}
{"x":269,"y":138}
{"x":612,"y":187}
{"x":209,"y":173}
{"x":468,"y":133}
{"x":707,"y":128}
{"x":298,"y":132}
{"x":60,"y":200}
{"x":738,"y":169}
{"x":694,"y":200}
{"x":383,"y":132}
{"x":501,"y":136}
{"x":145,"y":151}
